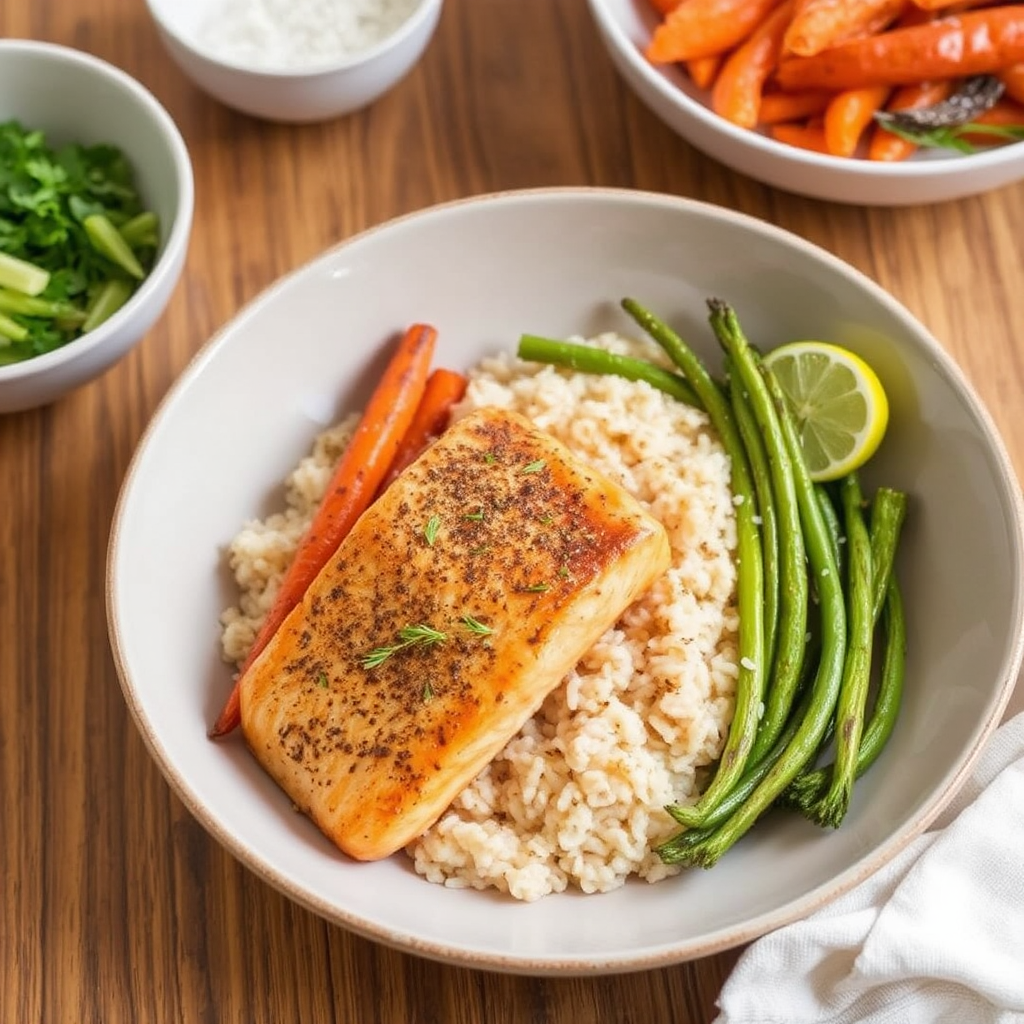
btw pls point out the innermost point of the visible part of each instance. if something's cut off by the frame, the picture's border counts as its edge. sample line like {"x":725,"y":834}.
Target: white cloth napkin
{"x":935,"y":936}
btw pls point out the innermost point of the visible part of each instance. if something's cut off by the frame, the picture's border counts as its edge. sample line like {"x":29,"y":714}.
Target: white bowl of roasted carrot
{"x":876,"y":102}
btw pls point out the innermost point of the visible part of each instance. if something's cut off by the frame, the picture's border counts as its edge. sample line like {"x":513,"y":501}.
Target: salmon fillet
{"x":460,"y":599}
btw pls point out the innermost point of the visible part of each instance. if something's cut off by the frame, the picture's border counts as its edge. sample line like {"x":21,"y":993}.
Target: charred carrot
{"x":704,"y":70}
{"x":849,"y":116}
{"x":704,"y":28}
{"x":356,"y":478}
{"x":1013,"y":81}
{"x":444,"y":388}
{"x":778,"y":107}
{"x":978,"y":42}
{"x":804,"y":136}
{"x":820,"y":24}
{"x":736,"y":95}
{"x":885,"y":145}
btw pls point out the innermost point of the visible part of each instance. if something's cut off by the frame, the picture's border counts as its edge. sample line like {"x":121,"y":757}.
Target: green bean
{"x":888,"y":511}
{"x":750,"y":583}
{"x":853,"y":694}
{"x":760,"y":470}
{"x":590,"y":359}
{"x":784,"y":673}
{"x":825,"y":688}
{"x":807,"y":790}
{"x":835,"y":527}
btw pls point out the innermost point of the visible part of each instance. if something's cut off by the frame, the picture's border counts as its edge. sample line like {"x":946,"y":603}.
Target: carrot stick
{"x":355,"y":481}
{"x":736,"y":95}
{"x":778,"y":107}
{"x":820,"y":24}
{"x":849,"y":115}
{"x":444,"y":388}
{"x":889,"y":147}
{"x":1013,"y":80}
{"x":803,"y":136}
{"x":978,"y":42}
{"x":704,"y":70}
{"x":704,"y":28}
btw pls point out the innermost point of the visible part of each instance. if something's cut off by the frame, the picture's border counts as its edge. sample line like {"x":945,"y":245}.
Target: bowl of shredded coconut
{"x":296,"y":60}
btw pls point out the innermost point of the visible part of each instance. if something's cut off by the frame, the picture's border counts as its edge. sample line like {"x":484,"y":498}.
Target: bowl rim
{"x":666,"y":954}
{"x":424,"y":11}
{"x":944,"y":166}
{"x":175,"y":240}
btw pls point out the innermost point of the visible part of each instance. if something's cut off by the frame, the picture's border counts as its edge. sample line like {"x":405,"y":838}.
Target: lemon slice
{"x":838,"y":402}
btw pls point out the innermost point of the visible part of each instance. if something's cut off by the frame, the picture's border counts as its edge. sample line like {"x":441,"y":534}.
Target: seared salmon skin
{"x":459,"y":600}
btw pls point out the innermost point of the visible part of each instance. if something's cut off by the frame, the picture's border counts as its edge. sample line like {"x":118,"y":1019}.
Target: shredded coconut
{"x":291,"y":34}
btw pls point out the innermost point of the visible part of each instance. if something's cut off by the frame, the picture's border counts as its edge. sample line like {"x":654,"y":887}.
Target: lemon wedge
{"x":838,"y":402}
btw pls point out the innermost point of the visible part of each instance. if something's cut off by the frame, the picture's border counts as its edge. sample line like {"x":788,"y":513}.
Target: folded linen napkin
{"x":937,"y":935}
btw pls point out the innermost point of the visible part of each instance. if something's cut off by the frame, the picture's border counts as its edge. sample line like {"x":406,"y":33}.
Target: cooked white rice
{"x":577,"y":797}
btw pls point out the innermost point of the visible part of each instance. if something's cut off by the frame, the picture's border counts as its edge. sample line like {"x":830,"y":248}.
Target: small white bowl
{"x":625,"y":27}
{"x":74,"y":97}
{"x":557,"y":262}
{"x":325,"y":90}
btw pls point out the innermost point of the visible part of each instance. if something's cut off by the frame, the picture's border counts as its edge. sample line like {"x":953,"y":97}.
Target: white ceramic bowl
{"x":324,"y":91}
{"x":625,"y":26}
{"x":556,"y":262}
{"x":74,"y":97}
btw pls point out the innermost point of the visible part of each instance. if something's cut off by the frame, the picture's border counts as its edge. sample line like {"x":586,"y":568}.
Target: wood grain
{"x":116,"y":905}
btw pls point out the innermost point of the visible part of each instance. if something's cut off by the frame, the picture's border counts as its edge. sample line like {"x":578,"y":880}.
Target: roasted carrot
{"x":444,"y":388}
{"x":849,"y":116}
{"x":978,"y":42}
{"x":704,"y":28}
{"x":803,"y":136}
{"x":819,"y":24}
{"x":359,"y":472}
{"x":885,"y":145}
{"x":736,"y":95}
{"x":941,"y":5}
{"x":664,"y":6}
{"x":778,"y":107}
{"x":704,"y":70}
{"x":1013,"y":81}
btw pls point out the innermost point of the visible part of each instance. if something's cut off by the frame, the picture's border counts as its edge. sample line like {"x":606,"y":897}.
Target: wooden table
{"x":115,"y":904}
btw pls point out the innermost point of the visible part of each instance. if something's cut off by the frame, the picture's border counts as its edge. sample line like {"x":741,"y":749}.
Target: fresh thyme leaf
{"x":428,"y":692}
{"x":321,"y":680}
{"x":564,"y":572}
{"x":431,"y":529}
{"x":481,"y":550}
{"x":476,"y":626}
{"x":546,"y":520}
{"x":537,"y":588}
{"x":490,"y":458}
{"x":476,"y":517}
{"x":408,"y":636}
{"x":534,"y":467}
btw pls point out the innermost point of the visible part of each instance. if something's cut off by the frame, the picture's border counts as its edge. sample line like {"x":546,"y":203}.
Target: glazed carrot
{"x":444,"y":388}
{"x":975,"y":43}
{"x":352,"y":487}
{"x":664,"y":6}
{"x":704,"y":70}
{"x":1006,"y":113}
{"x":704,"y":28}
{"x":820,"y":24}
{"x":803,"y":136}
{"x":777,"y":107}
{"x":940,"y":5}
{"x":849,"y":115}
{"x":1013,"y":81}
{"x":736,"y":95}
{"x":891,"y":148}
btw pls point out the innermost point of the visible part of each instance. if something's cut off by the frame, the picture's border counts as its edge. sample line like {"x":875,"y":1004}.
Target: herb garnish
{"x":490,"y":458}
{"x":476,"y":626}
{"x":476,"y":517}
{"x":428,"y":692}
{"x":408,"y":636}
{"x":537,"y":588}
{"x":534,"y":467}
{"x":431,"y":528}
{"x":321,"y":680}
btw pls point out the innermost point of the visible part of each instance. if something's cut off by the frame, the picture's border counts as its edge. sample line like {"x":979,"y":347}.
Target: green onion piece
{"x":110,"y":298}
{"x":107,"y":241}
{"x":21,"y":275}
{"x":142,"y":230}
{"x":10,"y":330}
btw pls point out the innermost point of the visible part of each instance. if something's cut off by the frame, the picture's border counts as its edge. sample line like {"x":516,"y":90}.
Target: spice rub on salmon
{"x":460,"y":599}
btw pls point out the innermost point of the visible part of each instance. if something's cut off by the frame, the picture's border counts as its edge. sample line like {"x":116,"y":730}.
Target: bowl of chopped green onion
{"x":96,"y":201}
